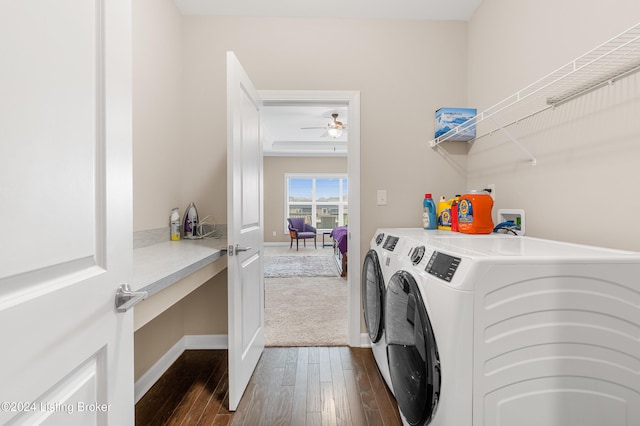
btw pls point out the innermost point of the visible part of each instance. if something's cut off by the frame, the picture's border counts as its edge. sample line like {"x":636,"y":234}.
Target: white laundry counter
{"x":170,"y":270}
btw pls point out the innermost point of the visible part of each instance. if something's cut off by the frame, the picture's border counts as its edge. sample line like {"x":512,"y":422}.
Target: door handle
{"x":237,"y":249}
{"x":125,"y":298}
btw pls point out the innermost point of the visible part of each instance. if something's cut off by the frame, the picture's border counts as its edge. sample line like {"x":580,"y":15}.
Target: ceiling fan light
{"x":334,"y":132}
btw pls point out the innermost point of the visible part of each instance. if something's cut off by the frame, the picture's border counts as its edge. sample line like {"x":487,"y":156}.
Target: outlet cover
{"x":492,"y":187}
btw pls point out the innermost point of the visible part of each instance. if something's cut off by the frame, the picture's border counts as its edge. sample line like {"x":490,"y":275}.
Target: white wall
{"x":584,"y":186}
{"x":158,"y":163}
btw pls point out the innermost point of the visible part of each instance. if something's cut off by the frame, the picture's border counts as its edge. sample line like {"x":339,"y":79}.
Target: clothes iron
{"x":190,"y":225}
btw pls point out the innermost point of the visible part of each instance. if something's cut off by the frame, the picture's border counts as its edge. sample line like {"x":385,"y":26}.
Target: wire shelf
{"x":607,"y":63}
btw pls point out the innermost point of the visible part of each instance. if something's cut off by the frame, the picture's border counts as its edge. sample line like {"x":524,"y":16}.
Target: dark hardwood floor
{"x":291,"y":386}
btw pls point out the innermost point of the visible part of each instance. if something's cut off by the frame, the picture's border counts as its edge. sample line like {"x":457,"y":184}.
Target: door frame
{"x":351,"y":98}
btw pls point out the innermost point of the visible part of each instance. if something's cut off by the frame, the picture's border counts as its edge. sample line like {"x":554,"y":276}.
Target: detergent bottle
{"x":474,"y":213}
{"x":444,"y":214}
{"x":429,"y":220}
{"x":454,"y":213}
{"x":175,"y":224}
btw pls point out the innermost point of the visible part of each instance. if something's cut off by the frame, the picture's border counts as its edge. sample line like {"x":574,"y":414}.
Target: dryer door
{"x":373,"y":295}
{"x":411,"y":347}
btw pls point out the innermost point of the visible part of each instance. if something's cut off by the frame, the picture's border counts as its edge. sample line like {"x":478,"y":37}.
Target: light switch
{"x":382,"y":197}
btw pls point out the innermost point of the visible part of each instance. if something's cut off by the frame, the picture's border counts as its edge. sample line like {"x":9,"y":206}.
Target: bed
{"x":340,"y":236}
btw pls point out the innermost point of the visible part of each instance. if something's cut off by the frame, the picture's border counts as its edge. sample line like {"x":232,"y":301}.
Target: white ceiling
{"x":365,"y":9}
{"x":282,"y":124}
{"x":284,"y":133}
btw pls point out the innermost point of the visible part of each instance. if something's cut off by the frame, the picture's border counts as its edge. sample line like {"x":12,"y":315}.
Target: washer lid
{"x":495,"y":245}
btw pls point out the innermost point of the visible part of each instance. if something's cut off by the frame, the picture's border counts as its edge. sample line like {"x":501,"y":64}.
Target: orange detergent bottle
{"x":474,"y":213}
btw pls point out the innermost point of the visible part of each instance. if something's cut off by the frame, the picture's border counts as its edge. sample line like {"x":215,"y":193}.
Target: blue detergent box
{"x":448,"y":118}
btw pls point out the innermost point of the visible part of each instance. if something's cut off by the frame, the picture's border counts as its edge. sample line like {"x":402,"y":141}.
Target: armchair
{"x":301,"y":231}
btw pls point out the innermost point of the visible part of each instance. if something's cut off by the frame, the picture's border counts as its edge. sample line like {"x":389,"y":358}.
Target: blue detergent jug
{"x":429,"y":220}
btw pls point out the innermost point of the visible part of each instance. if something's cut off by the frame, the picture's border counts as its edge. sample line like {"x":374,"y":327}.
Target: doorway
{"x":351,"y":101}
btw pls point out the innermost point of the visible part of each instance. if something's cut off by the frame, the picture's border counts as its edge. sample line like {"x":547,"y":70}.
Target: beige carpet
{"x":303,"y":311}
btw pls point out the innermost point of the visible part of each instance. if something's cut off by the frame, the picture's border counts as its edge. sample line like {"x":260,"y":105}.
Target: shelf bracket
{"x":516,"y":142}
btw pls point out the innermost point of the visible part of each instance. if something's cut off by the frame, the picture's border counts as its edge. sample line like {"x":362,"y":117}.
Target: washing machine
{"x":380,"y":262}
{"x":496,"y":330}
{"x":428,"y":330}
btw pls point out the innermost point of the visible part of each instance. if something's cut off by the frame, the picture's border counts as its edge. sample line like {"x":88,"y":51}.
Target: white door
{"x":245,"y":229}
{"x":65,"y":212}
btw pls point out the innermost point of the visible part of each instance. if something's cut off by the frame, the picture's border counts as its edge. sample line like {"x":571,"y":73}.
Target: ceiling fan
{"x":334,"y":128}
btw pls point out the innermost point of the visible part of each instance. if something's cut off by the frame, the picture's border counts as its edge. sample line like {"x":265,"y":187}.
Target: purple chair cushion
{"x":302,"y":229}
{"x":296,"y":223}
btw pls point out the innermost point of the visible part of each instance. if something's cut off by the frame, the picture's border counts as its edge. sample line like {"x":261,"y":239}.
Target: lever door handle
{"x":237,"y":249}
{"x":126,"y":299}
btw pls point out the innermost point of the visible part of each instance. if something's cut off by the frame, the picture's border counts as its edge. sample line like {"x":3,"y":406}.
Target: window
{"x":320,"y":199}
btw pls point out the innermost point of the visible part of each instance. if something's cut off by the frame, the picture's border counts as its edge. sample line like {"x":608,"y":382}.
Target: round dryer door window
{"x":373,"y":295}
{"x":412,"y":351}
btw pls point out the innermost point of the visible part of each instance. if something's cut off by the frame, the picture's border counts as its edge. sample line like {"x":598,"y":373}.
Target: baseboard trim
{"x":275,"y":244}
{"x":210,"y":341}
{"x":193,"y":342}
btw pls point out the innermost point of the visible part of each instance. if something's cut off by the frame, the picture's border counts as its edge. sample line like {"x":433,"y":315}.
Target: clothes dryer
{"x":496,"y":330}
{"x":379,"y":264}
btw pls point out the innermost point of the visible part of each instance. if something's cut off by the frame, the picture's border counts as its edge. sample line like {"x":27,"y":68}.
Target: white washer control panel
{"x":442,"y":266}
